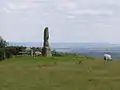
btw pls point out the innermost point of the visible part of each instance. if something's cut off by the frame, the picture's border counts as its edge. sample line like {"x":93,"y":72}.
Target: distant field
{"x":59,"y":73}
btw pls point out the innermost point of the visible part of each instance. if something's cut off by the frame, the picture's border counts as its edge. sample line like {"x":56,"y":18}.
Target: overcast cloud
{"x":68,"y":20}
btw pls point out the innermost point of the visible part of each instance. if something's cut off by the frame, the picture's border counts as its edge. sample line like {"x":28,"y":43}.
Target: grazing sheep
{"x":107,"y":57}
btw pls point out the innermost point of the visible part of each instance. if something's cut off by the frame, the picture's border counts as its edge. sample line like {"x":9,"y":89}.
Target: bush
{"x":2,"y":54}
{"x":61,"y":54}
{"x":55,"y":53}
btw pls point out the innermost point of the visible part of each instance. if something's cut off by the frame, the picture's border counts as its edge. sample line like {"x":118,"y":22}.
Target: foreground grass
{"x":58,"y":73}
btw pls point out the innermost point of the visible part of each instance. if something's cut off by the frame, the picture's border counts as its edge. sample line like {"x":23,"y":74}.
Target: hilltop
{"x":59,"y":73}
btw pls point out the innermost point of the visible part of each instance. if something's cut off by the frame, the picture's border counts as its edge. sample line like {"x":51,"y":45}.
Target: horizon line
{"x":63,"y":42}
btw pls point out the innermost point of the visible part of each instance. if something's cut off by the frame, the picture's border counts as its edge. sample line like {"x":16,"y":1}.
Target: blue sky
{"x":68,"y":20}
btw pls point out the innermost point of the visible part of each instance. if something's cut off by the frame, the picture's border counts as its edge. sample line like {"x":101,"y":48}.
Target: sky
{"x":68,"y":20}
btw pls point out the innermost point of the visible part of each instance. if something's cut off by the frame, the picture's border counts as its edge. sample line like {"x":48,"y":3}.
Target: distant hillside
{"x":66,"y":45}
{"x":98,"y":53}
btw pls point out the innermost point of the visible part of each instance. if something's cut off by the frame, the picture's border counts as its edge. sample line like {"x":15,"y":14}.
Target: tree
{"x":3,"y":44}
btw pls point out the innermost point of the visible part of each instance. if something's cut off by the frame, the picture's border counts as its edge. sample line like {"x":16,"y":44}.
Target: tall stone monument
{"x":46,"y":51}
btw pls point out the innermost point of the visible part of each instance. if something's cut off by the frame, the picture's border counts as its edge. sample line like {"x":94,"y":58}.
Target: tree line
{"x":7,"y":51}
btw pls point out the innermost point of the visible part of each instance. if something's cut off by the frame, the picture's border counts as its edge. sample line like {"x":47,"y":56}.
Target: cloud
{"x":92,"y":12}
{"x":71,"y":17}
{"x":15,"y":6}
{"x":46,"y":14}
{"x":6,"y":10}
{"x":20,"y":5}
{"x":84,"y":16}
{"x":67,"y":4}
{"x":24,"y":4}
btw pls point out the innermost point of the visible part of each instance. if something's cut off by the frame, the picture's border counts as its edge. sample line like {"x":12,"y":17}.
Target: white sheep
{"x":107,"y":57}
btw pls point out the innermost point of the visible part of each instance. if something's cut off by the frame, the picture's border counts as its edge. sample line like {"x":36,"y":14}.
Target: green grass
{"x":28,"y":73}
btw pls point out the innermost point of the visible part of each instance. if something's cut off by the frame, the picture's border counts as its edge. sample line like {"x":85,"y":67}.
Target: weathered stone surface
{"x":46,"y":51}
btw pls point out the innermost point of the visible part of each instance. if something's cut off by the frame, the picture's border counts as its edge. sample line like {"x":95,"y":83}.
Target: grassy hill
{"x":59,"y":73}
